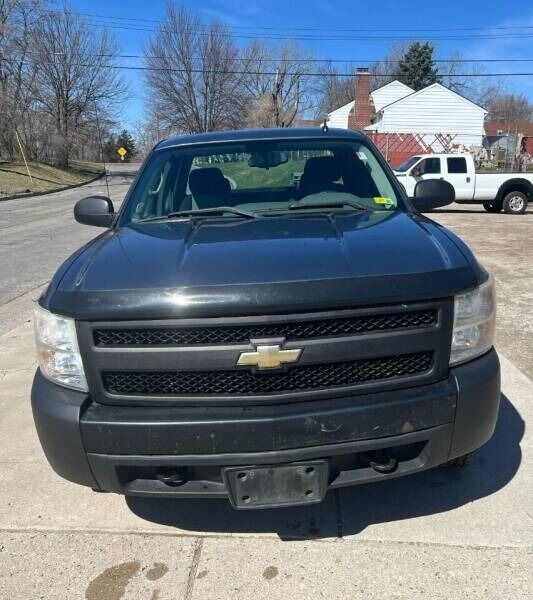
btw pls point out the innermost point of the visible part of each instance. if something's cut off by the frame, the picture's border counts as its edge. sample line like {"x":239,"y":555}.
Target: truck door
{"x":457,"y":174}
{"x":427,"y":168}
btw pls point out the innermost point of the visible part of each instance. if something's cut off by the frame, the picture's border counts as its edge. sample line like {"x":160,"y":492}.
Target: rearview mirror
{"x":94,"y":210}
{"x":266,"y":160}
{"x":432,"y":193}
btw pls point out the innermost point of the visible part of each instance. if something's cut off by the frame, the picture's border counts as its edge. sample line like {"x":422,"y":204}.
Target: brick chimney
{"x":363,"y":111}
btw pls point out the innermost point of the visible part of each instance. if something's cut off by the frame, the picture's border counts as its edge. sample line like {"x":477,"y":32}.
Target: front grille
{"x":244,"y":382}
{"x":319,"y":328}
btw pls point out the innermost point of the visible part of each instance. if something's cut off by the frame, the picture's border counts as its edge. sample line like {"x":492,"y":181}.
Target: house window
{"x":457,"y":165}
{"x":430,"y":166}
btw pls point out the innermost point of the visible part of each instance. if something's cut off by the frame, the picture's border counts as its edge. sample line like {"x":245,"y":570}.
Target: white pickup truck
{"x":509,"y":192}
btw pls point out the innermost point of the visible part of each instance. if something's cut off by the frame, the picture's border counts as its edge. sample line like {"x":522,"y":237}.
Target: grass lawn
{"x":14,"y":177}
{"x":248,"y":177}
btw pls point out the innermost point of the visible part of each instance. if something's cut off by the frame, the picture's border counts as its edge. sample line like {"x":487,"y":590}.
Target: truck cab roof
{"x":444,"y":155}
{"x":246,"y":135}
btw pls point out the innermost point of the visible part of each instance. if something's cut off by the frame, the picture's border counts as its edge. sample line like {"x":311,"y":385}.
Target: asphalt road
{"x":440,"y":534}
{"x":37,"y":234}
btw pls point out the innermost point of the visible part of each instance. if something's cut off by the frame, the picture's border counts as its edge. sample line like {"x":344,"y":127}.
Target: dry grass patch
{"x":14,"y":177}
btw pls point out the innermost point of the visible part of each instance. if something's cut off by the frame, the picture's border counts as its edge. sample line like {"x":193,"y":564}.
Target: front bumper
{"x":126,"y":449}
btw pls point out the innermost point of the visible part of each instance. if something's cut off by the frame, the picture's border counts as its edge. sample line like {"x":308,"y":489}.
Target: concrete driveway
{"x":440,"y":534}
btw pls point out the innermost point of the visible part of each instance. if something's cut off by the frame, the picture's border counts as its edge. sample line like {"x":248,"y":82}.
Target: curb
{"x":45,"y":193}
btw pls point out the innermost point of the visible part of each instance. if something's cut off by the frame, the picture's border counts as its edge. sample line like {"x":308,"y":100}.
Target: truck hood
{"x":275,"y":264}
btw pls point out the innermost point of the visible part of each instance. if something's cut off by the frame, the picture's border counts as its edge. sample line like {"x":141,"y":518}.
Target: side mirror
{"x":94,"y":210}
{"x":416,"y":172}
{"x":432,"y":193}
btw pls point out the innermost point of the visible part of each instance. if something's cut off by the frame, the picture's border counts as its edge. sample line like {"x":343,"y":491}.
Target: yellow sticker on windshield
{"x":385,"y":201}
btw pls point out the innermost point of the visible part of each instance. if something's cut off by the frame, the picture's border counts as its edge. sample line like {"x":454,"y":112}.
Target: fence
{"x":512,"y":152}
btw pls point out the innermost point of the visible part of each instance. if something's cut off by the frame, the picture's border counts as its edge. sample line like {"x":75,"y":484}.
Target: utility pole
{"x":23,"y":155}
{"x":275,"y":97}
{"x":102,"y":156}
{"x":296,"y":105}
{"x":280,"y":118}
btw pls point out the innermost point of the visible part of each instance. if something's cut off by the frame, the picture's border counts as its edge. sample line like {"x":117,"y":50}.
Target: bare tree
{"x":74,"y":77}
{"x":195,"y":77}
{"x":510,"y":107}
{"x":479,"y":89}
{"x":278,"y":84}
{"x":451,"y":73}
{"x":333,"y":89}
{"x":149,"y":131}
{"x":17,"y":72}
{"x":386,"y":70}
{"x":7,"y":18}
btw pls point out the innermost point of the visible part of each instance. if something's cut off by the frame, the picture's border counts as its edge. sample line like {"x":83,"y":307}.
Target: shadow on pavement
{"x":470,"y":211}
{"x":350,"y":510}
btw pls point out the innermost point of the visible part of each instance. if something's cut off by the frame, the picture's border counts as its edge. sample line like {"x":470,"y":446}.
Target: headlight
{"x":473,"y":322}
{"x":57,"y":350}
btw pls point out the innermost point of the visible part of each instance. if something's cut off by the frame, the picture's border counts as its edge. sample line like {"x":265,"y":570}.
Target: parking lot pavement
{"x":439,"y":534}
{"x":502,"y":243}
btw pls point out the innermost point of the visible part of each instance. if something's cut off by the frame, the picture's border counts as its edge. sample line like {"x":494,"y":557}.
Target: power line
{"x":269,"y":73}
{"x":317,"y":60}
{"x":252,"y":34}
{"x":513,"y":28}
{"x":310,"y":37}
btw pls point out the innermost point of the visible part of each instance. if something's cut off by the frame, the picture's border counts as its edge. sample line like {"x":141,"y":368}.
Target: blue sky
{"x":389,"y":20}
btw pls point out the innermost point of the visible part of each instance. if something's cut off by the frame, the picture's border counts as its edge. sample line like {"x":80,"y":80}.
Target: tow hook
{"x":173,"y":478}
{"x":384,"y":465}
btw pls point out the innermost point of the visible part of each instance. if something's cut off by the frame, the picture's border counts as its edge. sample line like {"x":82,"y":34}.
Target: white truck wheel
{"x":515,"y":203}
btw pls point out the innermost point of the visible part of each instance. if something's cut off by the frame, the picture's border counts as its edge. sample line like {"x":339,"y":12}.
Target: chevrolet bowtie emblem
{"x":269,"y":357}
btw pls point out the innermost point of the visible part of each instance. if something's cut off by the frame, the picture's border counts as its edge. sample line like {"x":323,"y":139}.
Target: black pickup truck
{"x":266,"y":318}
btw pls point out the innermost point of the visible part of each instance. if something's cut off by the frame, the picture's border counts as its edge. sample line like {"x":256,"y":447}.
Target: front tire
{"x":515,"y":203}
{"x":492,"y":207}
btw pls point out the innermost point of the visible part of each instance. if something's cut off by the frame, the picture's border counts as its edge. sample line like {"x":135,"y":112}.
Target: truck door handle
{"x":468,"y":180}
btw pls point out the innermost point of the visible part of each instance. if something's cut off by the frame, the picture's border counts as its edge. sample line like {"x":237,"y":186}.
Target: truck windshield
{"x":263,"y":178}
{"x":406,"y":165}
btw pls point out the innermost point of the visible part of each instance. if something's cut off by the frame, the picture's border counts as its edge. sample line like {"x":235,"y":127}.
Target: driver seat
{"x":209,"y":188}
{"x":320,"y":174}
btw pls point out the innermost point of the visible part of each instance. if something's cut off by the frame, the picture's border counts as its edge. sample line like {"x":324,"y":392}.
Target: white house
{"x":389,"y":93}
{"x":339,"y":117}
{"x":432,"y":112}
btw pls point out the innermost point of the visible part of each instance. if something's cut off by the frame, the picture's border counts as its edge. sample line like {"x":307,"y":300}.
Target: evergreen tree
{"x":417,"y":68}
{"x":110,"y":149}
{"x":125,"y":140}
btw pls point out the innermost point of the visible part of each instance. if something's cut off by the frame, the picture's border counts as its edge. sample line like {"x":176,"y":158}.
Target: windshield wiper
{"x":305,"y":205}
{"x":219,"y":210}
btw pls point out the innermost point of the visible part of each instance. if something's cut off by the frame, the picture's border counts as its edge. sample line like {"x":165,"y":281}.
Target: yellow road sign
{"x":122,"y":151}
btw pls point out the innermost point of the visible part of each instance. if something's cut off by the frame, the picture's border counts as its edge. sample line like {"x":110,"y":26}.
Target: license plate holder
{"x":272,"y":486}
